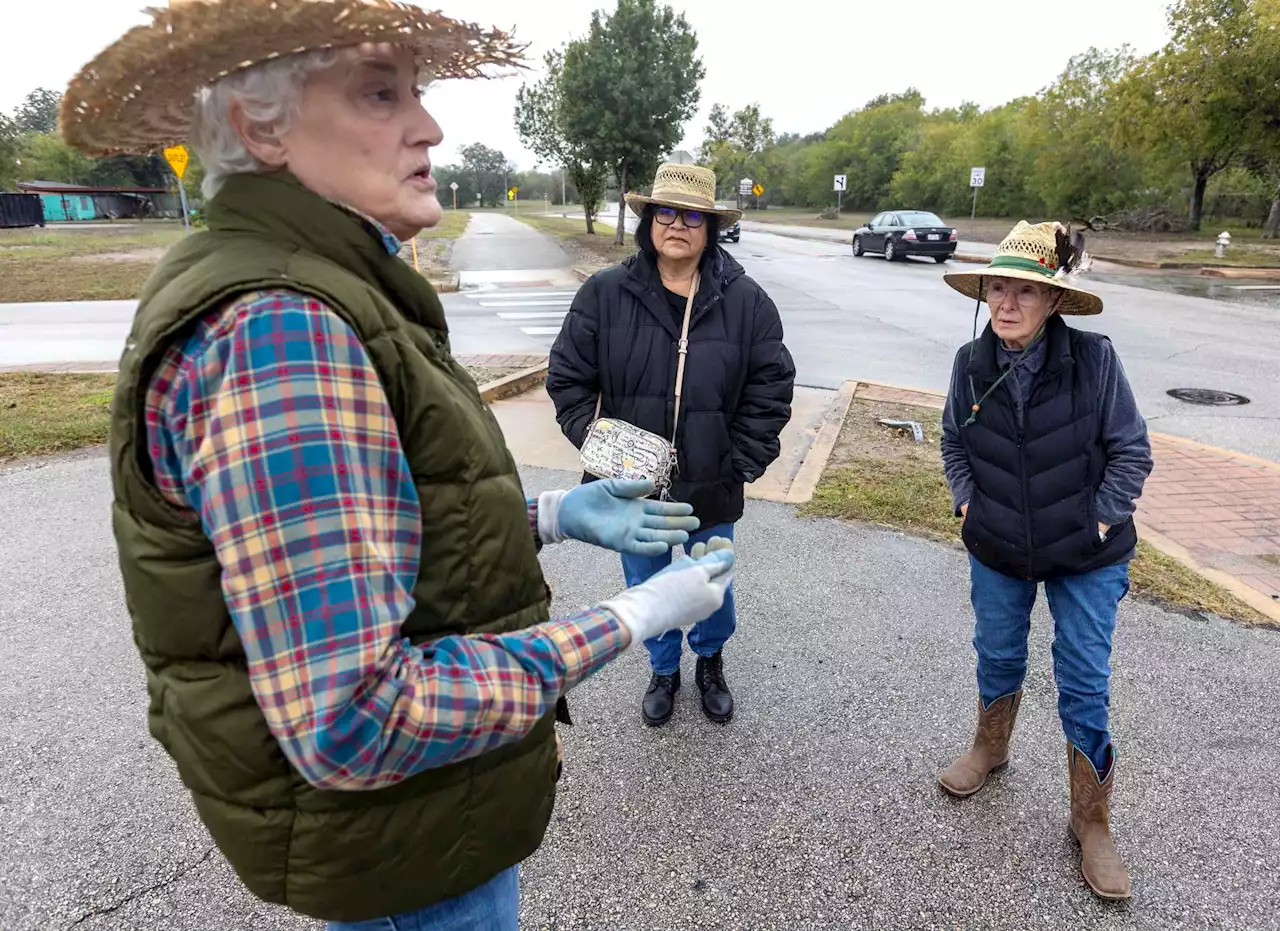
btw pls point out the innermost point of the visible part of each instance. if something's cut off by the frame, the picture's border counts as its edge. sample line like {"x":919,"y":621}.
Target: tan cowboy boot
{"x":990,"y":750}
{"x":1091,"y":824}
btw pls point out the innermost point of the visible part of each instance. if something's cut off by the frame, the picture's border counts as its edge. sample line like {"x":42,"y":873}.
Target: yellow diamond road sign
{"x":177,"y":158}
{"x":758,"y":190}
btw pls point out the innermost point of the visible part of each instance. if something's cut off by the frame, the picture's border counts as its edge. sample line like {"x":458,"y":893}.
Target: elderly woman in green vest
{"x":327,"y":555}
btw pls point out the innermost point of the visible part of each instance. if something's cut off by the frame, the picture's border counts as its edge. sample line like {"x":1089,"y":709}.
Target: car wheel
{"x":858,"y":251}
{"x":890,"y":251}
{"x":737,"y":238}
{"x":941,"y":258}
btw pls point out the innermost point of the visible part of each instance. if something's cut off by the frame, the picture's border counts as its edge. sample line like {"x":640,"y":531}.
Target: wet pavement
{"x":1260,"y":292}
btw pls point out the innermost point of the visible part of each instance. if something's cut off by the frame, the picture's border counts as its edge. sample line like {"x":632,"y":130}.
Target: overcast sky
{"x":806,"y":62}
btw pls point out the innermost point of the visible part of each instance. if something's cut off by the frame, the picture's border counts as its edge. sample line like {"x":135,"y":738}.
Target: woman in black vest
{"x":1045,"y":453}
{"x":618,"y":350}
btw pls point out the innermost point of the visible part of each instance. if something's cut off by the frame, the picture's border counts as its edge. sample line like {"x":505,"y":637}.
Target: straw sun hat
{"x":1044,"y":252}
{"x":687,"y":187}
{"x":137,"y":95}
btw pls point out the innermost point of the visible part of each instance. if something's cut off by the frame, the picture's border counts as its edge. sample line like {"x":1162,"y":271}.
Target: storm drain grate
{"x":1208,"y":396}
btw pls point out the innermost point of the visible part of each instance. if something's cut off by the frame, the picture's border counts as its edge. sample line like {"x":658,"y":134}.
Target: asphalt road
{"x":844,"y":318}
{"x":899,"y":323}
{"x":815,"y":809}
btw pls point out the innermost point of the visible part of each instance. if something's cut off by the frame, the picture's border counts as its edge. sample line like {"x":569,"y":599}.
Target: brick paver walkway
{"x":1225,"y":509}
{"x":1222,"y":507}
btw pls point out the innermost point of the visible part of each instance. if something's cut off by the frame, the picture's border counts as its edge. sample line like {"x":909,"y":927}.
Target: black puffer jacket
{"x":620,"y":336}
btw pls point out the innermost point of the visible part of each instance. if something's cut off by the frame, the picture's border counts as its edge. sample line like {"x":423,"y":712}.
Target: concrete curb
{"x":519,"y":383}
{"x":815,"y":462}
{"x":582,"y":273}
{"x":445,"y":286}
{"x":1235,"y":271}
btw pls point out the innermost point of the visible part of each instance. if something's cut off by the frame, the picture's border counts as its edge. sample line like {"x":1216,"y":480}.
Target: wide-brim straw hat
{"x":1044,"y":252}
{"x":138,"y":95}
{"x":688,"y":187}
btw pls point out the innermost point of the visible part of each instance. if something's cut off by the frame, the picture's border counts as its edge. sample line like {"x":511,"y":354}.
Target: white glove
{"x":690,"y":590}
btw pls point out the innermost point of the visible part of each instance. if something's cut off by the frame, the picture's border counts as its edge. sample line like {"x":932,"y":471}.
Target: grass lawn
{"x":53,"y":413}
{"x":591,"y":251}
{"x":71,"y":263}
{"x":882,"y":476}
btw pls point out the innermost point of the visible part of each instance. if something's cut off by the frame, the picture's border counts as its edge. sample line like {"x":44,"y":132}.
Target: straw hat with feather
{"x":685,"y":187}
{"x":1044,"y":252}
{"x":137,"y":96}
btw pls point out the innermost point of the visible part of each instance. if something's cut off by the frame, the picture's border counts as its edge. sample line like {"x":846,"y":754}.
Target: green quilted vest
{"x":339,"y":856}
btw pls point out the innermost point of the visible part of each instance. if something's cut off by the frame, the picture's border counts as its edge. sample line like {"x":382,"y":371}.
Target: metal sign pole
{"x":186,"y":212}
{"x":974,"y":212}
{"x":837,"y":205}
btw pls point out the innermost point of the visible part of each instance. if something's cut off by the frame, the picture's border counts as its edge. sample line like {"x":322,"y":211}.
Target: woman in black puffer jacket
{"x":618,"y":346}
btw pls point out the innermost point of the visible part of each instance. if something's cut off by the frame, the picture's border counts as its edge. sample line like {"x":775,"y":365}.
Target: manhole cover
{"x":1207,"y":396}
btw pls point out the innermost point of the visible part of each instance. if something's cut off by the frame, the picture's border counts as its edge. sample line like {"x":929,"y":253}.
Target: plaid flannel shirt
{"x":270,"y":423}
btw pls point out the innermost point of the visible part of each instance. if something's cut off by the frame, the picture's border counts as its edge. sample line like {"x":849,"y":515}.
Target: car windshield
{"x":920,"y":218}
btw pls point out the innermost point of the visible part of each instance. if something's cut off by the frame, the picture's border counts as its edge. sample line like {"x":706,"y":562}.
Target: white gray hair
{"x":269,"y":93}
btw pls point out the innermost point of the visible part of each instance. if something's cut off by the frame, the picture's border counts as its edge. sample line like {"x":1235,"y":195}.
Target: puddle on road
{"x":1260,"y":292}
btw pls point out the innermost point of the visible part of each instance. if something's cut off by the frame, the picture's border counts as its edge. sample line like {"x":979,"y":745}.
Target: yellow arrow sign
{"x":177,"y":158}
{"x":758,"y":190}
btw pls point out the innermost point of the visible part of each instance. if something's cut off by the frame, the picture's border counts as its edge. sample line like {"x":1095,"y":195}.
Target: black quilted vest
{"x":1032,"y":513}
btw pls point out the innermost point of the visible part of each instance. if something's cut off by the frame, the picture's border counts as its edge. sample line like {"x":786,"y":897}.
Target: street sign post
{"x":841,"y":185}
{"x":757,"y":190}
{"x":977,"y":178}
{"x":514,"y":195}
{"x":744,"y":189}
{"x":453,"y":185}
{"x":177,"y":158}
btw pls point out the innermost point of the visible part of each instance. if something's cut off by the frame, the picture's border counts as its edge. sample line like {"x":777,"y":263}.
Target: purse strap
{"x":682,"y":351}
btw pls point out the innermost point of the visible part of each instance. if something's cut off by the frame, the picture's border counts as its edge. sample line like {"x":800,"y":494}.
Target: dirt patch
{"x":151,"y":255}
{"x":864,"y":437}
{"x":484,"y":374}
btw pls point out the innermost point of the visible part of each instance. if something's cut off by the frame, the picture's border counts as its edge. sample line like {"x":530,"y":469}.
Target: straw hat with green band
{"x":1045,"y":252}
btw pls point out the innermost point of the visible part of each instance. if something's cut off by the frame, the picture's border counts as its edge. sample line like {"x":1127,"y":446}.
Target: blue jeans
{"x":495,"y":906}
{"x":1084,"y":619}
{"x":705,"y":638}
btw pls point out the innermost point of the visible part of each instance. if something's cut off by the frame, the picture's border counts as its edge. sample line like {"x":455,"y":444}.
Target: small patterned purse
{"x":617,"y":449}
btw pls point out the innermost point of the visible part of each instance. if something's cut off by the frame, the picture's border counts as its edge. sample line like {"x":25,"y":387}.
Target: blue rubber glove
{"x":614,"y":513}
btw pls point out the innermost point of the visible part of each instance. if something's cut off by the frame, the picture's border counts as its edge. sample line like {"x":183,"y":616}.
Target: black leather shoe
{"x":660,"y":699}
{"x":717,"y":700}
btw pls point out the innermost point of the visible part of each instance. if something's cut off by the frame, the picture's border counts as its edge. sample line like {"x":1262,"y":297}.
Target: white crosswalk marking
{"x":524,"y":303}
{"x":533,"y":310}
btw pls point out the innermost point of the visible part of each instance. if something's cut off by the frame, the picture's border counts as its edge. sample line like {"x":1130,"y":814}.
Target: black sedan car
{"x":729,"y":233}
{"x":900,"y":233}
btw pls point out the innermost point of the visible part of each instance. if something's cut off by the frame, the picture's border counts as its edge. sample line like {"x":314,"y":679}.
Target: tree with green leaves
{"x":10,"y":152}
{"x":734,"y":146}
{"x":539,"y":120}
{"x":38,"y":113}
{"x":1186,"y":104}
{"x":628,"y":88}
{"x":489,"y":171}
